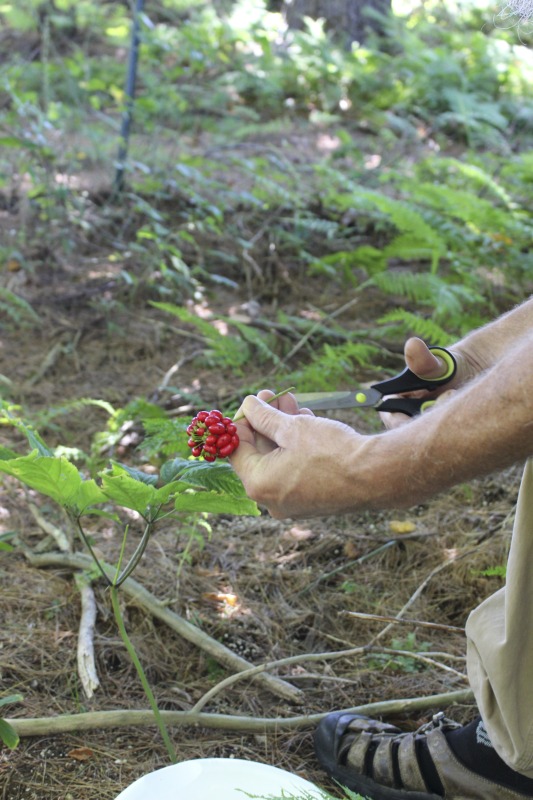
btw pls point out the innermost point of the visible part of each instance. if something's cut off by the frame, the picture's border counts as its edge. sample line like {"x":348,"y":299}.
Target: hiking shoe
{"x":380,"y":762}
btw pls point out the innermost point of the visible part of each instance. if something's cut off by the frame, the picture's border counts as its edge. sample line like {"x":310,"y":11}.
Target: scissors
{"x":406,"y":381}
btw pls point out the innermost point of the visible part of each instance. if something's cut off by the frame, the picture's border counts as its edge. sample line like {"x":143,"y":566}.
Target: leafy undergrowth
{"x":291,"y":212}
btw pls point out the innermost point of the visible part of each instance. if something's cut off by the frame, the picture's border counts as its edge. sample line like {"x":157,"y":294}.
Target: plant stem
{"x":140,"y":672}
{"x":270,"y":400}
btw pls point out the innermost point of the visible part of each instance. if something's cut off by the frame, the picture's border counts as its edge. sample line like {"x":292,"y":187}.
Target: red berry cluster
{"x":212,"y":435}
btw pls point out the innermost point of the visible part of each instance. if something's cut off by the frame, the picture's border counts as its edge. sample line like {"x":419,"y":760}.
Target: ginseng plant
{"x":182,"y":485}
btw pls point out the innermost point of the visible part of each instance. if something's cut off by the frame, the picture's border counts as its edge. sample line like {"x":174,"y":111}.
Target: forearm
{"x":485,"y":426}
{"x":485,"y":346}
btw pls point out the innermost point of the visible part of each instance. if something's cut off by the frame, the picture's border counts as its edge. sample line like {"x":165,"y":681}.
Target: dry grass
{"x":292,"y":582}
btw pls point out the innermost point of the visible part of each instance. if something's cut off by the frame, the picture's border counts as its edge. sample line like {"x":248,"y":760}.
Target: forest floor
{"x":266,"y":589}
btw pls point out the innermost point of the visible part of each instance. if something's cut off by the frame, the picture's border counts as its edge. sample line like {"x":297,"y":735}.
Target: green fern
{"x":164,"y":438}
{"x":17,"y":309}
{"x":416,"y":234}
{"x":401,"y":323}
{"x":259,"y":342}
{"x":333,"y":366}
{"x":222,"y":350}
{"x":463,"y":175}
{"x":473,"y":210}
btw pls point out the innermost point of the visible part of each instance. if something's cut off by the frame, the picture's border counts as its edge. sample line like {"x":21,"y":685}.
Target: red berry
{"x":212,"y":435}
{"x":223,"y":441}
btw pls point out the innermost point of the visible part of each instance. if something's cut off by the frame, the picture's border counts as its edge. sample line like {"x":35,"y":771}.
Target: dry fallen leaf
{"x":401,"y":526}
{"x":81,"y":753}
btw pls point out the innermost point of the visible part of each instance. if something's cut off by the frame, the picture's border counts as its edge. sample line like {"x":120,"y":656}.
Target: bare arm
{"x":478,"y":350}
{"x":299,"y":465}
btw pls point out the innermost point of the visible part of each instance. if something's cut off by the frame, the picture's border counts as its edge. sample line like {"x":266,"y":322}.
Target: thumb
{"x":420,"y":359}
{"x":262,"y":417}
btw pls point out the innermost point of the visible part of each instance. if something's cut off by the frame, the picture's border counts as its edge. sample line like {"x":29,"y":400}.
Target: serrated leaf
{"x":213,"y":503}
{"x":219,"y":476}
{"x":89,"y":494}
{"x":54,"y":477}
{"x":165,"y":493}
{"x":122,"y":489}
{"x":171,"y":469}
{"x":138,"y":474}
{"x":8,"y":735}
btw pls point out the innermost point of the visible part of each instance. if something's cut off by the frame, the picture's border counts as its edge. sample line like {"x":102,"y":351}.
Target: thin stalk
{"x":140,"y":672}
{"x":121,"y":556}
{"x":270,"y":400}
{"x":89,"y":547}
{"x":137,"y":555}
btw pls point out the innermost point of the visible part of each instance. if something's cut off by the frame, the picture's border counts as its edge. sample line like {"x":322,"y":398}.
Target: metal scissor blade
{"x":321,"y":401}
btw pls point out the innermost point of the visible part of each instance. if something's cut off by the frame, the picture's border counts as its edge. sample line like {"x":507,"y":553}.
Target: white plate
{"x":220,"y":779}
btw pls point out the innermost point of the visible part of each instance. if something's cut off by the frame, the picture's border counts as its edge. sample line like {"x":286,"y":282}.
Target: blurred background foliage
{"x":269,"y":159}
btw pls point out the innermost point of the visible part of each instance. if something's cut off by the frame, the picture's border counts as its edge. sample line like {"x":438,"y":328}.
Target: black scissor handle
{"x":412,"y":406}
{"x":407,"y":381}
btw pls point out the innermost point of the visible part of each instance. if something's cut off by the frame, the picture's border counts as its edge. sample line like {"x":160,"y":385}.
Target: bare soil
{"x":264,"y":588}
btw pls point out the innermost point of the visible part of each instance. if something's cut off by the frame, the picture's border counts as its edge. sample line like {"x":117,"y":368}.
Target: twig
{"x":58,"y":535}
{"x":414,"y":597}
{"x":172,"y":371}
{"x":403,"y":621}
{"x":68,"y":723}
{"x":346,"y":565}
{"x":189,"y":632}
{"x":298,"y":346}
{"x":86,"y":666}
{"x":417,"y":656}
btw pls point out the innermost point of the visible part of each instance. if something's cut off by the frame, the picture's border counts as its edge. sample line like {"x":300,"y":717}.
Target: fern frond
{"x":334,"y":365}
{"x":18,"y":309}
{"x":409,"y":324}
{"x":466,"y":206}
{"x":255,"y":338}
{"x":224,"y":349}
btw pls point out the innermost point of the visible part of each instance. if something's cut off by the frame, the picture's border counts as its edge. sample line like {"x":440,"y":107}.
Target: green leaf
{"x":121,"y":488}
{"x":138,"y":474}
{"x":89,"y":494}
{"x":6,"y":454}
{"x":219,"y":476}
{"x":8,"y":735}
{"x":54,"y":477}
{"x":12,"y":698}
{"x":172,"y":469}
{"x":6,"y":547}
{"x":213,"y":503}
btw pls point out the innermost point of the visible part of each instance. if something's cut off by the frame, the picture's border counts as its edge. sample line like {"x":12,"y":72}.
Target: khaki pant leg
{"x":500,"y":646}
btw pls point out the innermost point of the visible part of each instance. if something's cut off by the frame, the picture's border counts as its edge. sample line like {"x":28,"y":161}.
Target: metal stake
{"x":127,"y":115}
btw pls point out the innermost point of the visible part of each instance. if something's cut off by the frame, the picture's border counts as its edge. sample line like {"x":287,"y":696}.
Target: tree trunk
{"x":348,"y":20}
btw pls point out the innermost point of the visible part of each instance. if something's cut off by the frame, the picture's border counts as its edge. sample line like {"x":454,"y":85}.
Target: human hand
{"x":425,"y":364}
{"x":292,"y":462}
